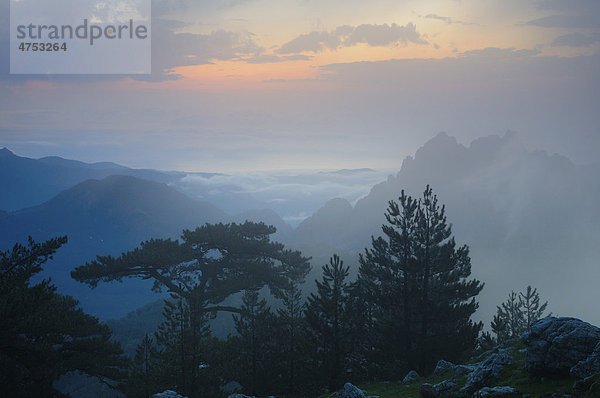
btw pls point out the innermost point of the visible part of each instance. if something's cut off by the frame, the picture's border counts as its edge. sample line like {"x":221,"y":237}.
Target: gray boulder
{"x":237,"y":395}
{"x":351,"y":391}
{"x":497,"y":392}
{"x":555,"y":345}
{"x":231,"y":387}
{"x":445,"y":388}
{"x":589,"y":367}
{"x":448,"y":367}
{"x":410,"y":377}
{"x":168,"y":394}
{"x":487,"y":371}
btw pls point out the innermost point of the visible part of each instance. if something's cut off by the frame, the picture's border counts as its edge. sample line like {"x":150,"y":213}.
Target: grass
{"x":514,"y":376}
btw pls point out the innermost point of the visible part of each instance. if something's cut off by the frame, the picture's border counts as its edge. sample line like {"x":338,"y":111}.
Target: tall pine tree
{"x":328,"y":319}
{"x":388,"y":278}
{"x":254,"y":343}
{"x":292,"y":339}
{"x":420,"y":284}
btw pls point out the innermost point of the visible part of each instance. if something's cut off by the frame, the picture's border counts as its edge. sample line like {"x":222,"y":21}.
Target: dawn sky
{"x":283,"y":84}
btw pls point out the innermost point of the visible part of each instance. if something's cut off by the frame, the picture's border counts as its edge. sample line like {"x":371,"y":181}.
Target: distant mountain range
{"x":102,"y":217}
{"x":106,"y":215}
{"x":529,"y":217}
{"x":28,"y":182}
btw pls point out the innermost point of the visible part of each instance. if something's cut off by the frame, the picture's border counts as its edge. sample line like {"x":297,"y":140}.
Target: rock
{"x":231,"y":387}
{"x":410,"y":377}
{"x":488,"y":370}
{"x":555,"y":345}
{"x":237,"y":395}
{"x":456,"y":370}
{"x":351,"y":391}
{"x":497,"y":392}
{"x":589,"y":367}
{"x":445,"y":388}
{"x":168,"y":394}
{"x":588,"y":385}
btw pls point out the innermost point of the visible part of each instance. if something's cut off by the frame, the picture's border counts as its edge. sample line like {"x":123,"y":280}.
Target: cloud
{"x":171,"y":49}
{"x":162,"y":8}
{"x":384,"y":35}
{"x":294,"y":195}
{"x":570,"y":6}
{"x":313,"y":41}
{"x":345,"y":35}
{"x":494,"y":52}
{"x":566,"y":21}
{"x":576,"y":40}
{"x":271,"y":58}
{"x":449,"y":20}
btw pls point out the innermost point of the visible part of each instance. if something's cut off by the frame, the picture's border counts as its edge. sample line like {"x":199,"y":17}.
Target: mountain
{"x":528,"y":217}
{"x":102,"y":217}
{"x":327,"y":218}
{"x":349,"y":172}
{"x":29,"y":182}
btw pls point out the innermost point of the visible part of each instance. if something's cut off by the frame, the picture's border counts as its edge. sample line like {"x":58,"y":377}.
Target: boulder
{"x":589,"y":367}
{"x":497,"y":392}
{"x":351,"y":391}
{"x":487,"y":371}
{"x":445,"y":388}
{"x":589,"y":385}
{"x":167,"y":394}
{"x":410,"y":377}
{"x":555,"y":345}
{"x":448,"y":367}
{"x":237,"y":395}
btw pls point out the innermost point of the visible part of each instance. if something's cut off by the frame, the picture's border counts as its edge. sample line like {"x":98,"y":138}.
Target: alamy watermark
{"x":80,"y":36}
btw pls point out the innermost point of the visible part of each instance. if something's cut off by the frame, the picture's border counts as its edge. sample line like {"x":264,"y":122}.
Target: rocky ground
{"x":558,"y":357}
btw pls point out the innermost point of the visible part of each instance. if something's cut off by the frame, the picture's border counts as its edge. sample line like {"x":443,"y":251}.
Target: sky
{"x":246,"y":85}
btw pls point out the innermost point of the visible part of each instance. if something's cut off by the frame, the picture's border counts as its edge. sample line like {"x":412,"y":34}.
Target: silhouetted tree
{"x":516,"y":315}
{"x":421,"y":286}
{"x":255,"y":344}
{"x":532,"y":309}
{"x":500,"y":328}
{"x":292,"y":337}
{"x":43,"y":334}
{"x":388,"y":276}
{"x":327,"y":318}
{"x":210,"y":264}
{"x":510,"y":316}
{"x":145,"y":375}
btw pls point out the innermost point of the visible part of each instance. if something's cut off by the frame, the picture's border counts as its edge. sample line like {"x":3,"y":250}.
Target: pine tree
{"x":389,"y":272}
{"x":500,"y":328}
{"x":182,"y":344}
{"x":511,"y":312}
{"x":210,"y":264}
{"x":532,"y":309}
{"x":43,"y":334}
{"x":144,"y":376}
{"x":516,"y":315}
{"x":292,"y":338}
{"x":254,"y":341}
{"x":327,"y":318}
{"x":421,"y":287}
